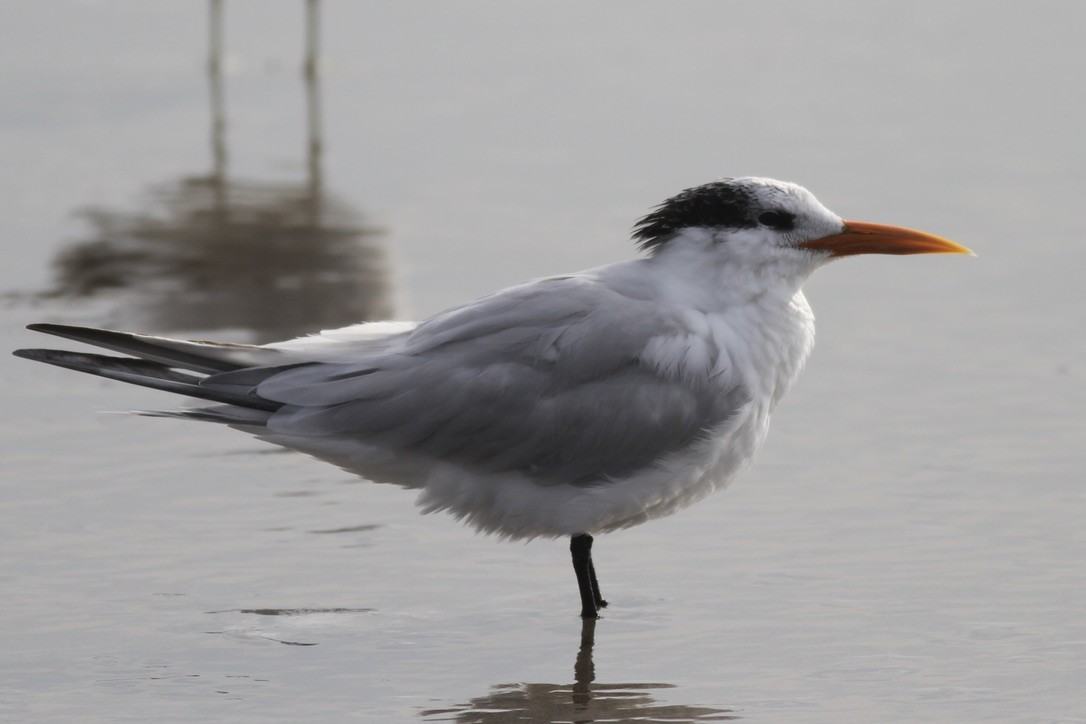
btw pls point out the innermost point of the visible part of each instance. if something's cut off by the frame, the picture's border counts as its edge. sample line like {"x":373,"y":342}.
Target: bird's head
{"x":761,"y":221}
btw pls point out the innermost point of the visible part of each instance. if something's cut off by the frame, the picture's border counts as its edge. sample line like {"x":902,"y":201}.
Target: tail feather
{"x":146,"y":373}
{"x":239,"y":417}
{"x":204,"y":357}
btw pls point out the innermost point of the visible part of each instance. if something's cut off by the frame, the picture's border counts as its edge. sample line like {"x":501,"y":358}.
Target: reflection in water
{"x":208,"y":252}
{"x":243,"y":255}
{"x":582,"y":701}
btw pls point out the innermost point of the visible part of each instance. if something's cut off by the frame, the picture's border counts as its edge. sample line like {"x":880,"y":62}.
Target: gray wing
{"x":543,"y":379}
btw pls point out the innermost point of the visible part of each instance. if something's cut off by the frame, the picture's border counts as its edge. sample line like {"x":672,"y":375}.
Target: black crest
{"x":720,"y":203}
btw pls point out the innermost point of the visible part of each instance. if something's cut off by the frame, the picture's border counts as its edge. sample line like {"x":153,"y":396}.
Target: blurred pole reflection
{"x":218,"y":101}
{"x":278,"y":259}
{"x":313,"y":99}
{"x":582,"y":701}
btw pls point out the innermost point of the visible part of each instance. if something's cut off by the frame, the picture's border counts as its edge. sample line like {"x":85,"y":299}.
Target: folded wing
{"x":546,"y":380}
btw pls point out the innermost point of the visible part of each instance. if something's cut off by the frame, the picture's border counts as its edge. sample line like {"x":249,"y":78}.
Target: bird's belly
{"x":512,"y":505}
{"x":703,"y":468}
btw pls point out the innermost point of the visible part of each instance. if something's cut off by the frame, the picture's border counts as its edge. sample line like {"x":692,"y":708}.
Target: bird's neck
{"x":755,"y":314}
{"x":728,"y":277}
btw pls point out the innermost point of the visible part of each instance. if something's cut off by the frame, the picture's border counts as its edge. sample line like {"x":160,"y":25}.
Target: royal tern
{"x":566,"y":406}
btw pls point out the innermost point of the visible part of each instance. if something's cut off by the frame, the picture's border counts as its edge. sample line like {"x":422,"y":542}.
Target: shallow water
{"x":909,"y":545}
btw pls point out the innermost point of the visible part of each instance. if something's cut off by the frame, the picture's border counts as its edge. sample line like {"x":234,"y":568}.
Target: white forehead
{"x":770,"y":192}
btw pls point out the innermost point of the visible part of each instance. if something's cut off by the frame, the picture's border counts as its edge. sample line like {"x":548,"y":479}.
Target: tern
{"x":563,"y":407}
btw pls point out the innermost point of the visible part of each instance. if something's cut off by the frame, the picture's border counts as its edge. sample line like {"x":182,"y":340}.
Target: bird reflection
{"x":582,"y":701}
{"x":210,"y":252}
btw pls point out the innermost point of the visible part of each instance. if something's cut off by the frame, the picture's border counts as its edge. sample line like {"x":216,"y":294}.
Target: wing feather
{"x":546,"y":379}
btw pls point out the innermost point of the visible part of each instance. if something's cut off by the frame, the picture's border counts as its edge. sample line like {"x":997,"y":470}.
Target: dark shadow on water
{"x":585,"y":700}
{"x":208,"y":252}
{"x":364,"y":528}
{"x":250,"y":632}
{"x":292,"y":611}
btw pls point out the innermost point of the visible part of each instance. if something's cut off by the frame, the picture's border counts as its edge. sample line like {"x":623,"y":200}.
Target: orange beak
{"x":860,"y":237}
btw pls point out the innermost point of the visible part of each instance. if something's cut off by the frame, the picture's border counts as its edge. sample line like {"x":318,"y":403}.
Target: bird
{"x":563,"y":407}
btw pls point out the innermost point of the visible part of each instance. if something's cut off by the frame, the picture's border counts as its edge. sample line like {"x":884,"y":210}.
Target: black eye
{"x":779,"y":220}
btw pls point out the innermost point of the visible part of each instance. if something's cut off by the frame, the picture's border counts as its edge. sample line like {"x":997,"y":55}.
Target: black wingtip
{"x":44,"y":327}
{"x":49,"y":356}
{"x":61,"y":330}
{"x":145,"y":373}
{"x":203,"y":357}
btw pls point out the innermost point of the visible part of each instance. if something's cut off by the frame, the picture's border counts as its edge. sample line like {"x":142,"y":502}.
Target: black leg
{"x":600,"y":603}
{"x":580,"y":548}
